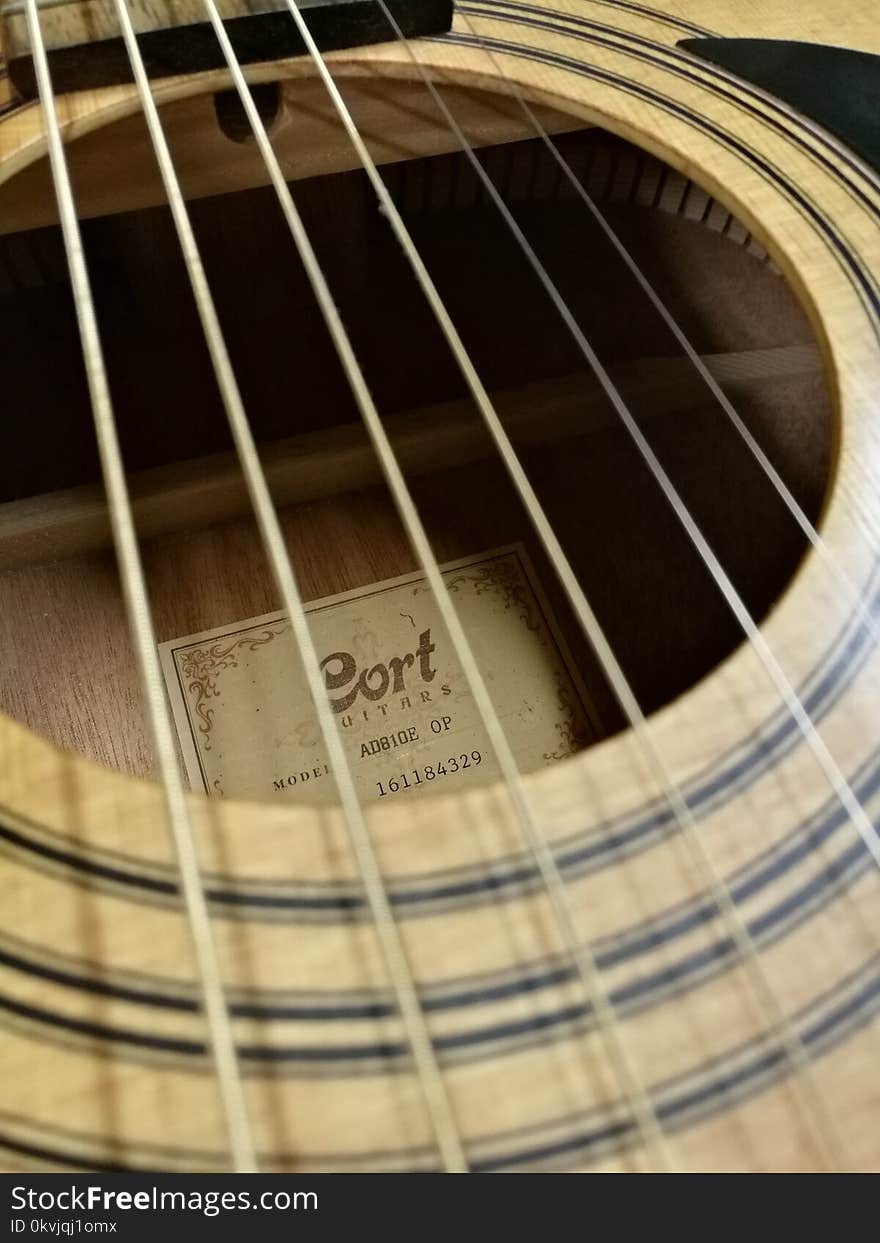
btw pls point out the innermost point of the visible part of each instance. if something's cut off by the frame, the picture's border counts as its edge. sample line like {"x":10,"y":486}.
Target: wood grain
{"x":313,"y":466}
{"x":86,"y":858}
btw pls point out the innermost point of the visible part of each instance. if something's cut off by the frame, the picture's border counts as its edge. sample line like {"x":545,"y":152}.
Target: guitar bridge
{"x":86,"y":50}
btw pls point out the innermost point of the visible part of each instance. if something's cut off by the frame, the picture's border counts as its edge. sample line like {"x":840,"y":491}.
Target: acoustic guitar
{"x":439,"y":585}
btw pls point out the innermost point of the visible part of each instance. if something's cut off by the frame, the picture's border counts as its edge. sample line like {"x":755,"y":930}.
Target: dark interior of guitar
{"x":67,"y":667}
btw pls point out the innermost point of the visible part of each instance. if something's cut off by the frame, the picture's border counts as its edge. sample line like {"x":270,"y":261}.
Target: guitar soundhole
{"x":68,"y":669}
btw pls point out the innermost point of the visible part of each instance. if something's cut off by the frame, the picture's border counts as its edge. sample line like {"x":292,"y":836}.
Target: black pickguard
{"x":837,"y":87}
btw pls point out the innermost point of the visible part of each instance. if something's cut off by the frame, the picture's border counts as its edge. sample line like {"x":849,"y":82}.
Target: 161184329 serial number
{"x":428,"y":772}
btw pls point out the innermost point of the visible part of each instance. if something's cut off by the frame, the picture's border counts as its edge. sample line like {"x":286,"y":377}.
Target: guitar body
{"x":103,"y":1044}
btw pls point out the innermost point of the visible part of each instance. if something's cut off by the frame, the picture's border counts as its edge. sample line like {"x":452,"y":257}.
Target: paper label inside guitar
{"x":409,"y":722}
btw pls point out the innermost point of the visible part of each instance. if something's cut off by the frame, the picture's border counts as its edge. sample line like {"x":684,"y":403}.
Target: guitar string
{"x":218,"y":1021}
{"x":821,"y":1123}
{"x":581,"y":954}
{"x":734,"y":601}
{"x":851,"y":591}
{"x":787,"y":497}
{"x":861,"y":512}
{"x":812,"y":1100}
{"x":775,"y":673}
{"x":430,"y":1078}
